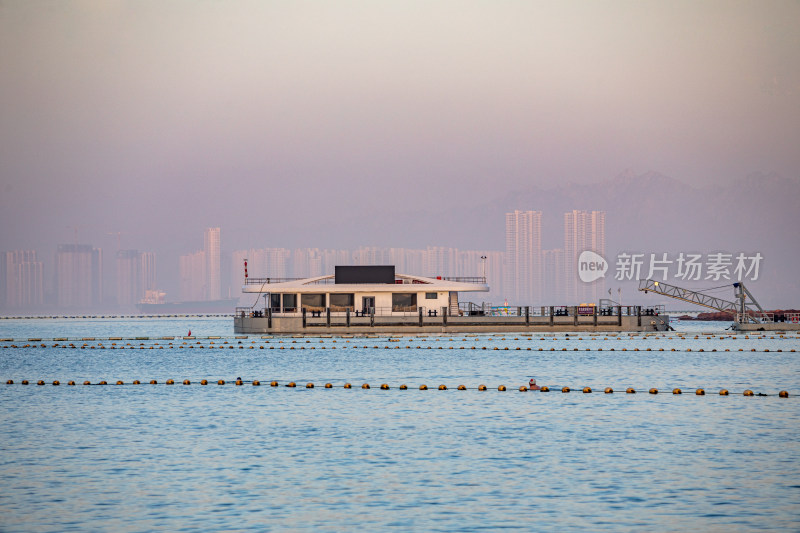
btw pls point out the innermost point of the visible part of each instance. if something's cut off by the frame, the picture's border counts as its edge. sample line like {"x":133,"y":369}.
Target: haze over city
{"x":299,"y":124}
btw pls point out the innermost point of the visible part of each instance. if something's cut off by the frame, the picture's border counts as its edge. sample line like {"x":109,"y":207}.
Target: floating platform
{"x":330,"y":323}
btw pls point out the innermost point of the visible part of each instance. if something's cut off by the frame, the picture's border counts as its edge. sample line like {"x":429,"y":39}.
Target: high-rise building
{"x":136,"y":274}
{"x":78,"y":276}
{"x":148,"y":271}
{"x":523,"y":272}
{"x":211,"y":247}
{"x":193,"y":276}
{"x":21,"y":280}
{"x":583,"y":230}
{"x":440,"y":261}
{"x":553,"y":277}
{"x":129,"y":281}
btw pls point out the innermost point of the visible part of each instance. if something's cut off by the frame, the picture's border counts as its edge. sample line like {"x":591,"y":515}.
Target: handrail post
{"x":552,"y":320}
{"x":328,"y":316}
{"x":594,"y":313}
{"x":371,"y":316}
{"x":527,"y":315}
{"x":347,"y":320}
{"x":420,"y":315}
{"x":575,"y":315}
{"x":269,"y":318}
{"x":444,"y":316}
{"x":619,"y":315}
{"x":304,"y":318}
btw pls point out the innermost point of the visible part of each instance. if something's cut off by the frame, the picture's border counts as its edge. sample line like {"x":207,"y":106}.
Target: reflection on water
{"x":139,"y":458}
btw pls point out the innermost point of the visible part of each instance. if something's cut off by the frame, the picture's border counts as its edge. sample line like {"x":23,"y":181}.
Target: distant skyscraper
{"x":136,"y":273}
{"x":523,"y":272}
{"x":553,"y":277}
{"x":21,"y":281}
{"x":79,"y":276}
{"x":148,"y":272}
{"x":440,"y":261}
{"x":129,"y":289}
{"x":211,"y":248}
{"x":193,"y":276}
{"x":583,"y":230}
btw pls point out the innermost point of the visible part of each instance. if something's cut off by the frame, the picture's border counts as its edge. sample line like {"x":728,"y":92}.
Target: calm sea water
{"x":159,"y":457}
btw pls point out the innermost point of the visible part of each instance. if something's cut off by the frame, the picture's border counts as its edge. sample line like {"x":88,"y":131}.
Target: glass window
{"x":404,"y":301}
{"x":317,"y":301}
{"x":431,"y":296}
{"x":289,"y":302}
{"x":275,"y":301}
{"x":340,"y":302}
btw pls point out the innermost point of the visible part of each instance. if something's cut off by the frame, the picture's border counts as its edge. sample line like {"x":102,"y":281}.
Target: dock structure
{"x":374,"y":299}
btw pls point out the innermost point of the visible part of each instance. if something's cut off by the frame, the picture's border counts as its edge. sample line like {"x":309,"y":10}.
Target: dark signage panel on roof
{"x":365,"y":274}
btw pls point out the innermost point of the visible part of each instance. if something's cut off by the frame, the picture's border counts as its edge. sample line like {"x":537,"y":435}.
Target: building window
{"x":404,"y":301}
{"x":275,"y":301}
{"x":313,"y":301}
{"x":290,"y":303}
{"x":342,"y":302}
{"x":431,"y":296}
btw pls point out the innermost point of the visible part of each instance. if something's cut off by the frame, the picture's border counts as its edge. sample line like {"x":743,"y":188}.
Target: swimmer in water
{"x":532,"y":385}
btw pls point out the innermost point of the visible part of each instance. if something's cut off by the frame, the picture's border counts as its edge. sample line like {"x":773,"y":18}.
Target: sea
{"x":228,"y":457}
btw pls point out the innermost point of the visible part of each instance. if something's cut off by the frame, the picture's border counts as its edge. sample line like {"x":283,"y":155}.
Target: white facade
{"x":408,"y":294}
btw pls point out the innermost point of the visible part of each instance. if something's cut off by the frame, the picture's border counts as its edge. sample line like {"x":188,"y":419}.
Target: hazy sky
{"x":159,"y":118}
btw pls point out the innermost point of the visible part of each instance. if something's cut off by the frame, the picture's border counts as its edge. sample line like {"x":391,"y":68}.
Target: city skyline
{"x":523,"y":274}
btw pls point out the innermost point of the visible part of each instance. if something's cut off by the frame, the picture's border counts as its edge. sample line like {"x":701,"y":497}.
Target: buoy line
{"x":272,"y":343}
{"x":386,"y":386}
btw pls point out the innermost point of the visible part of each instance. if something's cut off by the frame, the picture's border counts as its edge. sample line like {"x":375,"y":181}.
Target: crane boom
{"x":743,"y":310}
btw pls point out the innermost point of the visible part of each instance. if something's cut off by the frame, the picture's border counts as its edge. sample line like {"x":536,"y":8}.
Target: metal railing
{"x":466,"y":279}
{"x":332,"y":280}
{"x":267,"y":281}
